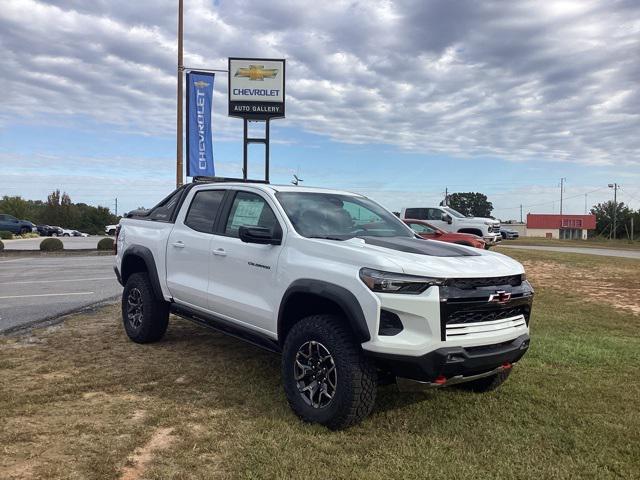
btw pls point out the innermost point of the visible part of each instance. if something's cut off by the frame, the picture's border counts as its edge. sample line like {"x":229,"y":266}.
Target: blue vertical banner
{"x":199,"y":136}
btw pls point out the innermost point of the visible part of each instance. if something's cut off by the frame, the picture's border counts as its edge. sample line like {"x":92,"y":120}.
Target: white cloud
{"x":516,"y":80}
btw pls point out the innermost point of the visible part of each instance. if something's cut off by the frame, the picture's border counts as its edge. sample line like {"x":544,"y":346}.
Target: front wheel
{"x":326,"y":376}
{"x":145,"y":318}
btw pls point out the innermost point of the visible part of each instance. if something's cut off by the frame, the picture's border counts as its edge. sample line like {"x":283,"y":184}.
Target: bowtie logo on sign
{"x":256,"y":72}
{"x":201,"y":84}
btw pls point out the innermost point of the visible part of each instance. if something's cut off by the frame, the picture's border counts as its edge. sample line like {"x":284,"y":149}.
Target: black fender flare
{"x":335,"y":293}
{"x":147,"y":257}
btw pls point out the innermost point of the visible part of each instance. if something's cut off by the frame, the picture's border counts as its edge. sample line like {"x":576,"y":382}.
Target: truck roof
{"x":285,"y":188}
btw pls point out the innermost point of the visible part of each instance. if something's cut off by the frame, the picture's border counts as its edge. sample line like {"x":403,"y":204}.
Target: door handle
{"x":220,"y":252}
{"x":178,"y":244}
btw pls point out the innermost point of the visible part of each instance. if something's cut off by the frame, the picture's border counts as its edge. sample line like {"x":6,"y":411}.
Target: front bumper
{"x":492,"y":239}
{"x":449,"y":362}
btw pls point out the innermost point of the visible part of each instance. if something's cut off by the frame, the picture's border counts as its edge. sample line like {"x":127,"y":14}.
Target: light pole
{"x":179,"y":179}
{"x":615,"y":207}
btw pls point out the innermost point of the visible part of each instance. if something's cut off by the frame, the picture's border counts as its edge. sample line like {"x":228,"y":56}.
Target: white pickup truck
{"x":331,"y":280}
{"x":450,"y":220}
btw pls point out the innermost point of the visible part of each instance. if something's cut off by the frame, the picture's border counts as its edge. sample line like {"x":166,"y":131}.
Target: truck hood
{"x":478,"y":221}
{"x":435,"y":259}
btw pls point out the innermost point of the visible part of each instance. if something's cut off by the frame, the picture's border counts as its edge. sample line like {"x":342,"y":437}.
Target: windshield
{"x":451,"y":211}
{"x":339,"y":217}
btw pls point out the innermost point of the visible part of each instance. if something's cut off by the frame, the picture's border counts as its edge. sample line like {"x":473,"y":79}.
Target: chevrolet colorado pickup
{"x":343,"y":289}
{"x":451,"y":220}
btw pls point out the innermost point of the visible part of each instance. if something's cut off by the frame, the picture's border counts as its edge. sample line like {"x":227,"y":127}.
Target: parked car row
{"x":9,"y":223}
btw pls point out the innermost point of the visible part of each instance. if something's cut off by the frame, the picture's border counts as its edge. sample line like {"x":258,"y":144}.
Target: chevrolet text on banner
{"x":256,"y":88}
{"x":199,"y":143}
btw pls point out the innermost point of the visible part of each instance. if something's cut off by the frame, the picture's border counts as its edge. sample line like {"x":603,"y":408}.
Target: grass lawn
{"x":81,"y":401}
{"x":591,"y":242}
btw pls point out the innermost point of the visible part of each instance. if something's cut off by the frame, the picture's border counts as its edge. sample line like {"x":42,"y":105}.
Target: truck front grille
{"x":469,"y":283}
{"x":478,"y":316}
{"x":468,"y":312}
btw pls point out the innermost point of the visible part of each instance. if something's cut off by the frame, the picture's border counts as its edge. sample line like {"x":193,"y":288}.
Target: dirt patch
{"x":141,"y":458}
{"x":600,"y":284}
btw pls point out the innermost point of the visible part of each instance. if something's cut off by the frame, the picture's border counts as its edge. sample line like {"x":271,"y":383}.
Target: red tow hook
{"x":506,"y":365}
{"x":441,"y":380}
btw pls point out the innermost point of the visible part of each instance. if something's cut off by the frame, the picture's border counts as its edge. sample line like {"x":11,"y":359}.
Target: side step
{"x":224,"y":326}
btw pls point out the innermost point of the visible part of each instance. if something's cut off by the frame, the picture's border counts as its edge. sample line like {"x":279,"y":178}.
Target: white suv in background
{"x":338,"y":285}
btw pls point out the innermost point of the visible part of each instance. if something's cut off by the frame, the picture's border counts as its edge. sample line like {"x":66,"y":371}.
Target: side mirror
{"x":446,"y":218}
{"x":260,"y":235}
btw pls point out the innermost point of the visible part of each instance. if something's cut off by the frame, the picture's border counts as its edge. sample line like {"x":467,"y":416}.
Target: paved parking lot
{"x":34,"y":289}
{"x":70,"y":243}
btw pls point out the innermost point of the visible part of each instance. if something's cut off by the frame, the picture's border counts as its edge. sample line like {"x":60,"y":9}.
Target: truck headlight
{"x":389,"y":282}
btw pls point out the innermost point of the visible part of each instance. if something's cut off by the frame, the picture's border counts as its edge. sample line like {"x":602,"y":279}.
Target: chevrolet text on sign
{"x":256,"y":88}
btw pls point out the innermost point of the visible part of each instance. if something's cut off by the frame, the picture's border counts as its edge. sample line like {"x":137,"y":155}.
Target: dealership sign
{"x":256,"y":88}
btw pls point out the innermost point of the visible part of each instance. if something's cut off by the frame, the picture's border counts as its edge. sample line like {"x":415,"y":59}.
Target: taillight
{"x":115,"y":241}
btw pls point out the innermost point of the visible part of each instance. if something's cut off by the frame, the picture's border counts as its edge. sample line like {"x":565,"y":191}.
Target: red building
{"x":559,"y":226}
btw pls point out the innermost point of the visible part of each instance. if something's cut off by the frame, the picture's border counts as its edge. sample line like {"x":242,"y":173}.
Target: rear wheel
{"x":24,"y":230}
{"x":145,"y":318}
{"x":485,"y":384}
{"x":326,"y":376}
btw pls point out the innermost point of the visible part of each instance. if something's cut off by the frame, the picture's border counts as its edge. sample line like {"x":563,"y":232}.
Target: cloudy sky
{"x":398,"y":100}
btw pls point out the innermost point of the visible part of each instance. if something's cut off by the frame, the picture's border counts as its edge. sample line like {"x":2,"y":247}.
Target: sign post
{"x":256,"y":94}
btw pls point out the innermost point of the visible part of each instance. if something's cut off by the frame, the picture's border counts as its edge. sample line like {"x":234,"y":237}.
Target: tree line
{"x":60,"y":211}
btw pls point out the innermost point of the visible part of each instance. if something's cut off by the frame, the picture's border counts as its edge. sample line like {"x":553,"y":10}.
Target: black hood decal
{"x":420,"y":246}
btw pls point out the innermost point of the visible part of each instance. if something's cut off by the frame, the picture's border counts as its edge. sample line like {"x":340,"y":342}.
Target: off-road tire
{"x":485,"y":384}
{"x":154,"y":318}
{"x":356,"y":384}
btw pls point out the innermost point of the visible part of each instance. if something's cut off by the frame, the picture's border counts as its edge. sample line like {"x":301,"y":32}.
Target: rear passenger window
{"x":250,"y":210}
{"x":203,"y":210}
{"x":417,"y":213}
{"x":164,"y":210}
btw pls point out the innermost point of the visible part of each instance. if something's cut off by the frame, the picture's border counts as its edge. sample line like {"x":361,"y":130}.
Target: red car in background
{"x":429,"y":232}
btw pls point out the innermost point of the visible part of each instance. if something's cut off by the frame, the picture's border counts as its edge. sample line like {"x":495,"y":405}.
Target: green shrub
{"x":105,"y":244}
{"x":51,"y":245}
{"x":4,"y":235}
{"x":1,"y":246}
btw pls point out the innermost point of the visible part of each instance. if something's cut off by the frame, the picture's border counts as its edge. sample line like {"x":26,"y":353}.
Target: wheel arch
{"x":140,"y":259}
{"x":474,"y":231}
{"x":306,"y":297}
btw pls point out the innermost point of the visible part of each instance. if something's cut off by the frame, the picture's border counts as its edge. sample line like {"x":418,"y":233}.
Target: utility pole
{"x":179,"y":179}
{"x":615,"y":187}
{"x":520,"y":213}
{"x":585,"y":203}
{"x":562,"y":180}
{"x":116,"y":206}
{"x":446,"y":196}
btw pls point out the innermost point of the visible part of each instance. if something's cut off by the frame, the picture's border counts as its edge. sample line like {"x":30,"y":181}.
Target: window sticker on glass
{"x":247,"y":213}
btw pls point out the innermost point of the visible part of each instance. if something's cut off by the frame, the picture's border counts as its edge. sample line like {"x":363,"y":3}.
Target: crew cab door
{"x":434,"y":217}
{"x":189,"y":248}
{"x":243,"y":276}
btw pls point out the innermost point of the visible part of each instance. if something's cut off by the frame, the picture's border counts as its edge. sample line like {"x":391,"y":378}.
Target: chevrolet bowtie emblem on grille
{"x":201,"y":84}
{"x":256,"y":72}
{"x":500,"y":296}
